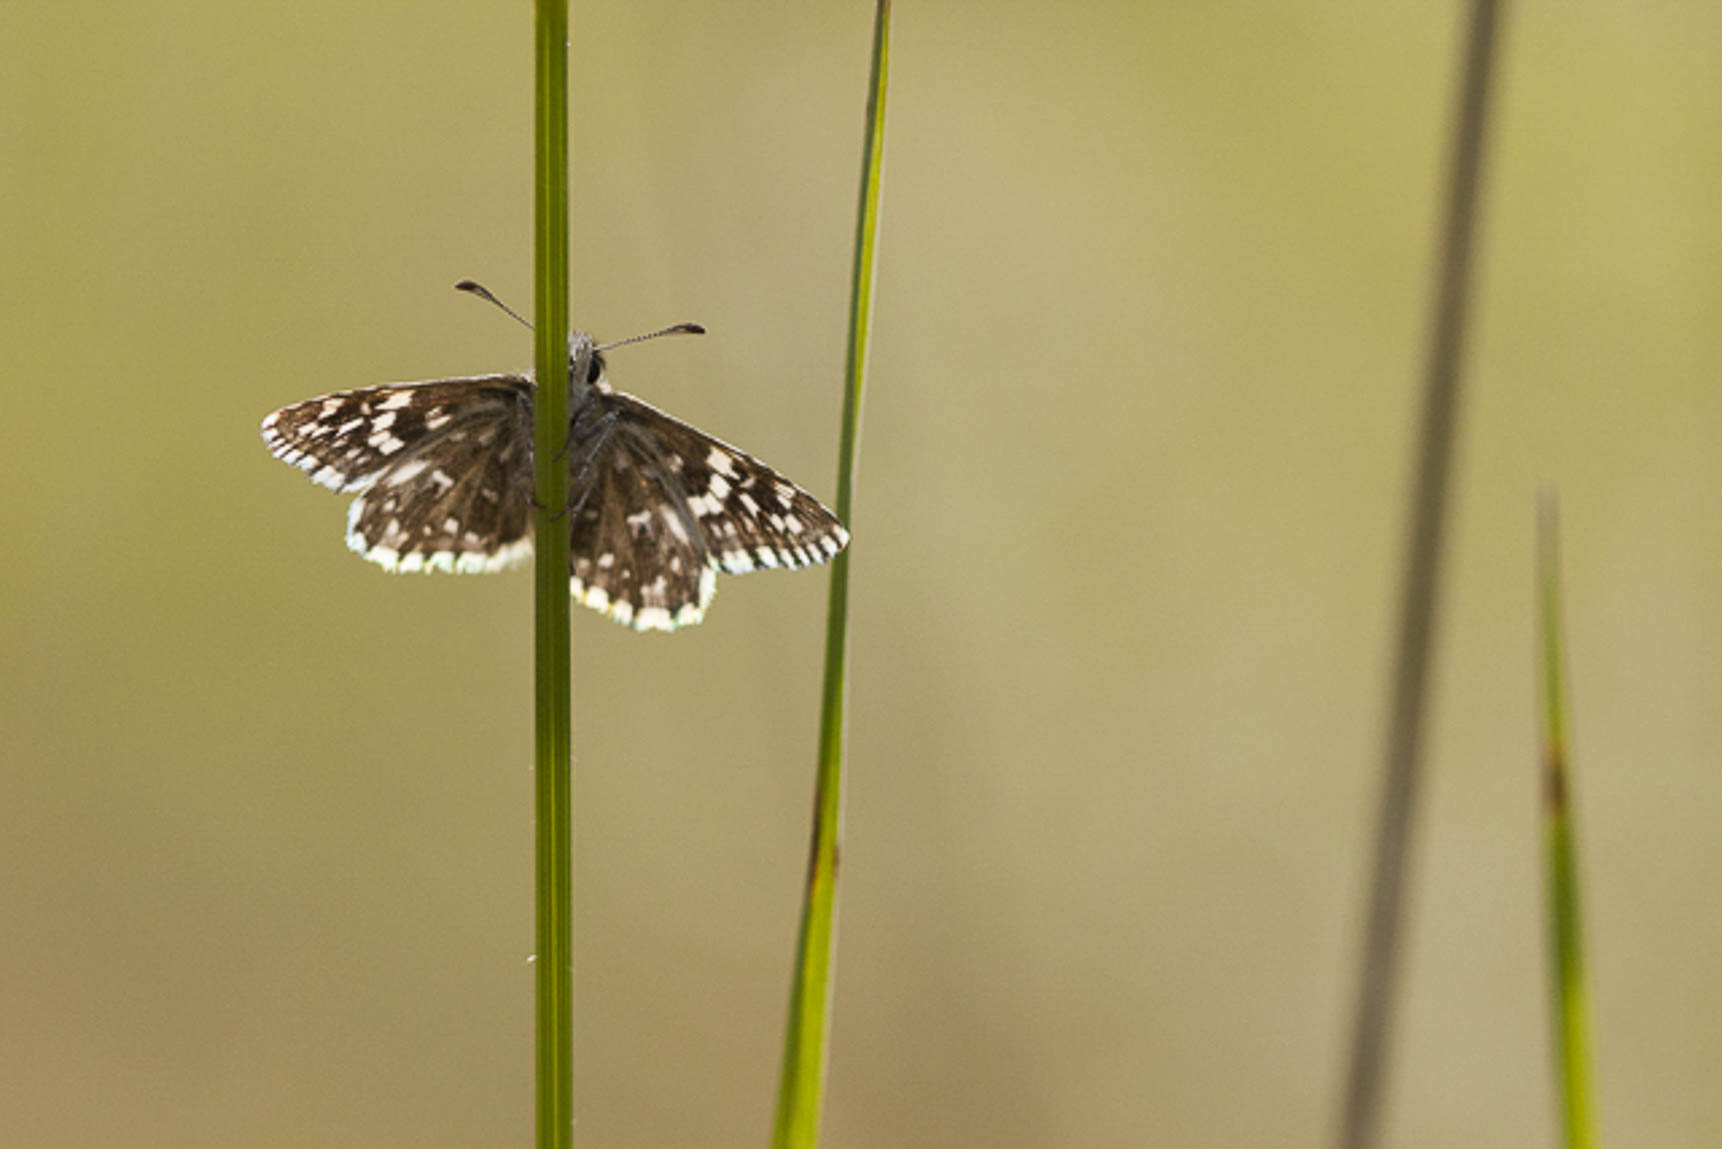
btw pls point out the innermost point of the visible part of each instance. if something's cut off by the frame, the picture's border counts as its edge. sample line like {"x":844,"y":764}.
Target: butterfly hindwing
{"x":461,"y":502}
{"x":637,"y":552}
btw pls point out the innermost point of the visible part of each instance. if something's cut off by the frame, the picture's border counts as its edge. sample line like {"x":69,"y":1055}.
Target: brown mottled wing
{"x":660,"y":506}
{"x":443,"y":468}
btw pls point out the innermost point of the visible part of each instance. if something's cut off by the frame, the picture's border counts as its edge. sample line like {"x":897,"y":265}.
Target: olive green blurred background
{"x":1150,"y":318}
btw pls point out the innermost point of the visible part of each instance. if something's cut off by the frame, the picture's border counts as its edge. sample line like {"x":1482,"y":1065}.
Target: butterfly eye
{"x":594,"y":368}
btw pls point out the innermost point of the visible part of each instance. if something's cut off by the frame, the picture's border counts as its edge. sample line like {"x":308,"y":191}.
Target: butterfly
{"x":442,"y":472}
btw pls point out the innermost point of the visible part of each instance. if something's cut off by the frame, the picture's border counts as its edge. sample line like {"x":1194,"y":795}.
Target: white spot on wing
{"x":328,"y":477}
{"x":407,"y":470}
{"x":645,"y":618}
{"x":674,"y":522}
{"x":721,"y":461}
{"x":513,"y":554}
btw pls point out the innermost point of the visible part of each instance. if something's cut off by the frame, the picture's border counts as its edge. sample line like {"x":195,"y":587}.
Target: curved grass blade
{"x":800,"y":1096}
{"x":1566,"y":939}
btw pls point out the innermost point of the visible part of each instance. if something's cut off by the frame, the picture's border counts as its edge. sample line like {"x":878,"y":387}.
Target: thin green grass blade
{"x":1566,"y":940}
{"x":800,"y":1096}
{"x":554,"y":709}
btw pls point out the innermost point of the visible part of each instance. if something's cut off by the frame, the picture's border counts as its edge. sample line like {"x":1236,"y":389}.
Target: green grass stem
{"x":800,"y":1097}
{"x":553,"y":658}
{"x":1566,"y":940}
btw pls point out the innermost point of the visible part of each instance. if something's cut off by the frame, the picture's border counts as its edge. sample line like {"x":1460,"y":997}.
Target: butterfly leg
{"x":579,"y":484}
{"x":599,"y":428}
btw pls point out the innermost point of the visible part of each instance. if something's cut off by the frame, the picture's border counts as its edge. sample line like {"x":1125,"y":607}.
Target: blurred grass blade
{"x":801,"y":1090}
{"x":1372,"y":1020}
{"x":554,"y":709}
{"x":1566,"y":942}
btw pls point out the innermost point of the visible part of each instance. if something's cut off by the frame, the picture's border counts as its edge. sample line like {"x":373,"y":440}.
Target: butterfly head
{"x":585,"y":362}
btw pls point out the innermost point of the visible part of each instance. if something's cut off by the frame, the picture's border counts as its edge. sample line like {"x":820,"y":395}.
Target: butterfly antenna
{"x":678,"y":329}
{"x":483,"y":292}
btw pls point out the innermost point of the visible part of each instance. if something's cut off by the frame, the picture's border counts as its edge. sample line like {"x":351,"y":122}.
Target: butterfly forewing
{"x":751,"y":517}
{"x":345,"y":440}
{"x":444,"y":479}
